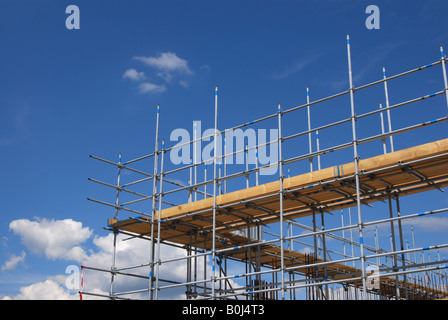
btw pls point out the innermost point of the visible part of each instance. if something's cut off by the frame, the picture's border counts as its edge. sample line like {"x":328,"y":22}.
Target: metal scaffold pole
{"x":386,"y":93}
{"x":382,"y":130}
{"x":196,"y":157}
{"x":215,"y":160}
{"x":114,"y":253}
{"x":400,"y":231}
{"x":280,"y":167}
{"x":154,"y":206}
{"x":393,"y":247}
{"x":324,"y":251}
{"x":356,"y":161}
{"x":309,"y":126}
{"x":318,"y":149}
{"x":159,"y":221}
{"x":445,"y":81}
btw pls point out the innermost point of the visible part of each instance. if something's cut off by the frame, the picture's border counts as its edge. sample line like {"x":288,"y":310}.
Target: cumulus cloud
{"x":44,"y":290}
{"x":148,"y":87}
{"x":166,"y":61}
{"x":56,"y":239}
{"x":63,"y":239}
{"x":134,"y":252}
{"x":133,"y":74}
{"x":163,"y":68}
{"x":14,"y":261}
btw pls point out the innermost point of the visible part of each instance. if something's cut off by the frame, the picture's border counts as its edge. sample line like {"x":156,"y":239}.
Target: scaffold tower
{"x":327,"y":225}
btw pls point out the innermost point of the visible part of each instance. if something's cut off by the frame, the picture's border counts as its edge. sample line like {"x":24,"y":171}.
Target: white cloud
{"x":148,"y":87}
{"x":13,"y":262}
{"x":56,"y":239}
{"x":133,"y":74}
{"x":135,"y":252}
{"x":165,"y":67}
{"x":166,"y":61}
{"x":61,"y":239}
{"x":46,"y":290}
{"x":166,"y":76}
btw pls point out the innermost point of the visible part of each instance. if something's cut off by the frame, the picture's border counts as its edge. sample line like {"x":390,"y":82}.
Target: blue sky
{"x":67,"y":94}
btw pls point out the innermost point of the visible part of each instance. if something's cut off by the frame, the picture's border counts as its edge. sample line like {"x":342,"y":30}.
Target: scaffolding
{"x":256,"y":234}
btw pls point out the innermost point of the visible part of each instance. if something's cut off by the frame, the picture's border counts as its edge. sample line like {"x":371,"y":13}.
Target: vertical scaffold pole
{"x":393,"y":247}
{"x":112,"y":278}
{"x":246,"y":153}
{"x":413,"y":244}
{"x":377,"y":247}
{"x":386,"y":92}
{"x":356,"y":160}
{"x":382,"y":130}
{"x":282,"y":236}
{"x":215,"y":160}
{"x":205,"y":180}
{"x":195,"y":158}
{"x":190,"y":183}
{"x":225,"y":165}
{"x":256,"y":166}
{"x":154,"y":205}
{"x":351,"y":234}
{"x":324,"y":251}
{"x":114,"y":253}
{"x":343,"y":235}
{"x":442,"y":57}
{"x":118,"y":187}
{"x":195,"y":276}
{"x":309,"y":126}
{"x":403,"y":262}
{"x":159,"y":221}
{"x":318,"y":149}
{"x":219,"y":178}
{"x":82,"y":283}
{"x":315,"y":256}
